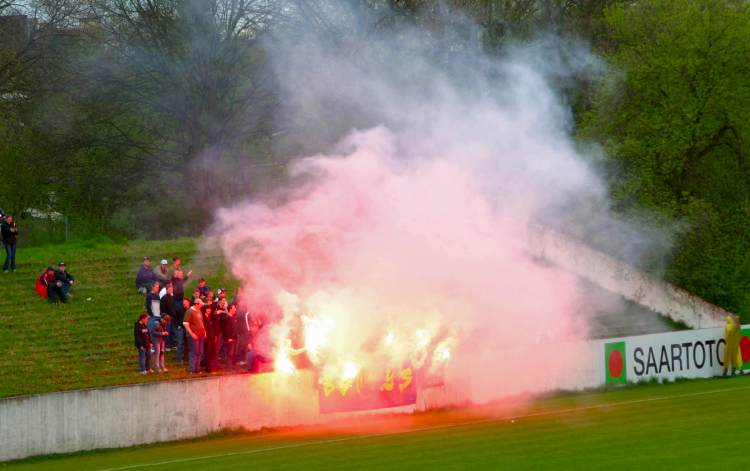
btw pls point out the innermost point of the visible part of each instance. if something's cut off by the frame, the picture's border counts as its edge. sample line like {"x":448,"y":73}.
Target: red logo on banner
{"x":745,"y":348}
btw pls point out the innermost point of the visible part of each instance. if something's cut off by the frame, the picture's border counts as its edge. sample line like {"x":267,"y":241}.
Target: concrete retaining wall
{"x":618,"y":277}
{"x":156,"y":412}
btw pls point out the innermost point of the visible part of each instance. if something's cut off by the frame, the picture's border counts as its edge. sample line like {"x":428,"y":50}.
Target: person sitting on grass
{"x":42,"y":284}
{"x":61,"y":274}
{"x":143,"y":343}
{"x":55,"y":292}
{"x":145,"y":277}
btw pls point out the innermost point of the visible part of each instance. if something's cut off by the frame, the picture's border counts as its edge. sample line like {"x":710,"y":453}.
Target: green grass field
{"x":687,"y":425}
{"x":89,"y":341}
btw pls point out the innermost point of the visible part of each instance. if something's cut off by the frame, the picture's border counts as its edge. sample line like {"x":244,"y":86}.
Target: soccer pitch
{"x":695,"y":424}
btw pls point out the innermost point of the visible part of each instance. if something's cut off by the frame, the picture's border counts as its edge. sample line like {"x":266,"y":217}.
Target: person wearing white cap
{"x":162,"y":273}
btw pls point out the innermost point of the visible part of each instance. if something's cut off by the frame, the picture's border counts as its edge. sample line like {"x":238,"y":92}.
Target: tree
{"x":152,"y":92}
{"x":195,"y":65}
{"x":674,"y":123}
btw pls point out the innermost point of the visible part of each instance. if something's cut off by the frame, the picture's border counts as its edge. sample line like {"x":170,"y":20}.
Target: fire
{"x":349,"y":371}
{"x":422,"y":338}
{"x":317,"y":330}
{"x":442,"y":353}
{"x":323,"y":322}
{"x":283,"y":363}
{"x":389,"y":339}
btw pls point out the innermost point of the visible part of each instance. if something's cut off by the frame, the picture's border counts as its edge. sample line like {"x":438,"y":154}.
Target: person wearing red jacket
{"x":42,"y":284}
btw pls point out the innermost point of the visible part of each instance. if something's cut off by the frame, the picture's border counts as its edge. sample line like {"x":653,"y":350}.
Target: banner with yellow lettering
{"x":391,"y":387}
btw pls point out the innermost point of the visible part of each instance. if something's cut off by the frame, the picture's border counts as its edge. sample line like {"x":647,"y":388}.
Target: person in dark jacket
{"x":169,"y":306}
{"x":9,"y":232}
{"x":202,"y":288}
{"x":145,"y":277}
{"x":213,"y":335}
{"x":229,"y":335}
{"x":178,"y":330}
{"x":61,"y":274}
{"x":143,"y":343}
{"x":179,"y":280}
{"x":55,"y":292}
{"x":153,"y":303}
{"x":242,"y":322}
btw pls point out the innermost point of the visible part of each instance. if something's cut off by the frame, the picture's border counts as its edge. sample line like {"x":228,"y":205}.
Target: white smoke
{"x":414,"y":223}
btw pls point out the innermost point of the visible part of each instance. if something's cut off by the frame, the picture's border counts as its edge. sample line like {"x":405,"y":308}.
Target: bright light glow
{"x":442,"y":353}
{"x":422,"y":338}
{"x":283,"y":363}
{"x":349,"y":371}
{"x":317,"y":330}
{"x":389,"y":339}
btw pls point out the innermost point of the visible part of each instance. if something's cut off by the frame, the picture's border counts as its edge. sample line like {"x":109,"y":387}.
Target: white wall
{"x":137,"y":414}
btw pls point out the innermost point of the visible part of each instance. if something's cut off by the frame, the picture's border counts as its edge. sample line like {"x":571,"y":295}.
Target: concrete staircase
{"x":645,"y":294}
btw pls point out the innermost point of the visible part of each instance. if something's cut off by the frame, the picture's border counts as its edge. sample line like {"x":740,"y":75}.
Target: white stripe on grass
{"x":425,"y":429}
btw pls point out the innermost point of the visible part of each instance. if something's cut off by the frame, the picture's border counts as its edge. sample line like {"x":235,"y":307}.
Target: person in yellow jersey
{"x":732,"y":347}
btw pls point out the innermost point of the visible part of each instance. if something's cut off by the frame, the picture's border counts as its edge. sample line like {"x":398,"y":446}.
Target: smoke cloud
{"x":403,"y":233}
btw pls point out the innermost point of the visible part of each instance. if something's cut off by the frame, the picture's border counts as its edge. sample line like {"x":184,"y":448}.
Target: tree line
{"x":109,"y":109}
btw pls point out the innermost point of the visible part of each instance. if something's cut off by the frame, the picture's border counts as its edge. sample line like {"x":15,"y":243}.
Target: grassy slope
{"x":696,"y":424}
{"x":88,"y":343}
{"x":85,"y":343}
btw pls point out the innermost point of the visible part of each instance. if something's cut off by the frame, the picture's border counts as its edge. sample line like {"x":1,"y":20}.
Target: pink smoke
{"x":385,"y":242}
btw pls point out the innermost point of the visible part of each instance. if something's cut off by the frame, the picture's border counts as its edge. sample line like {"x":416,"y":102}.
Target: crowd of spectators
{"x":217,"y":332}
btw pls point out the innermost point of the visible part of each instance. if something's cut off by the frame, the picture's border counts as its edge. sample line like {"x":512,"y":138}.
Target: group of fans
{"x":55,"y":284}
{"x":218,"y":332}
